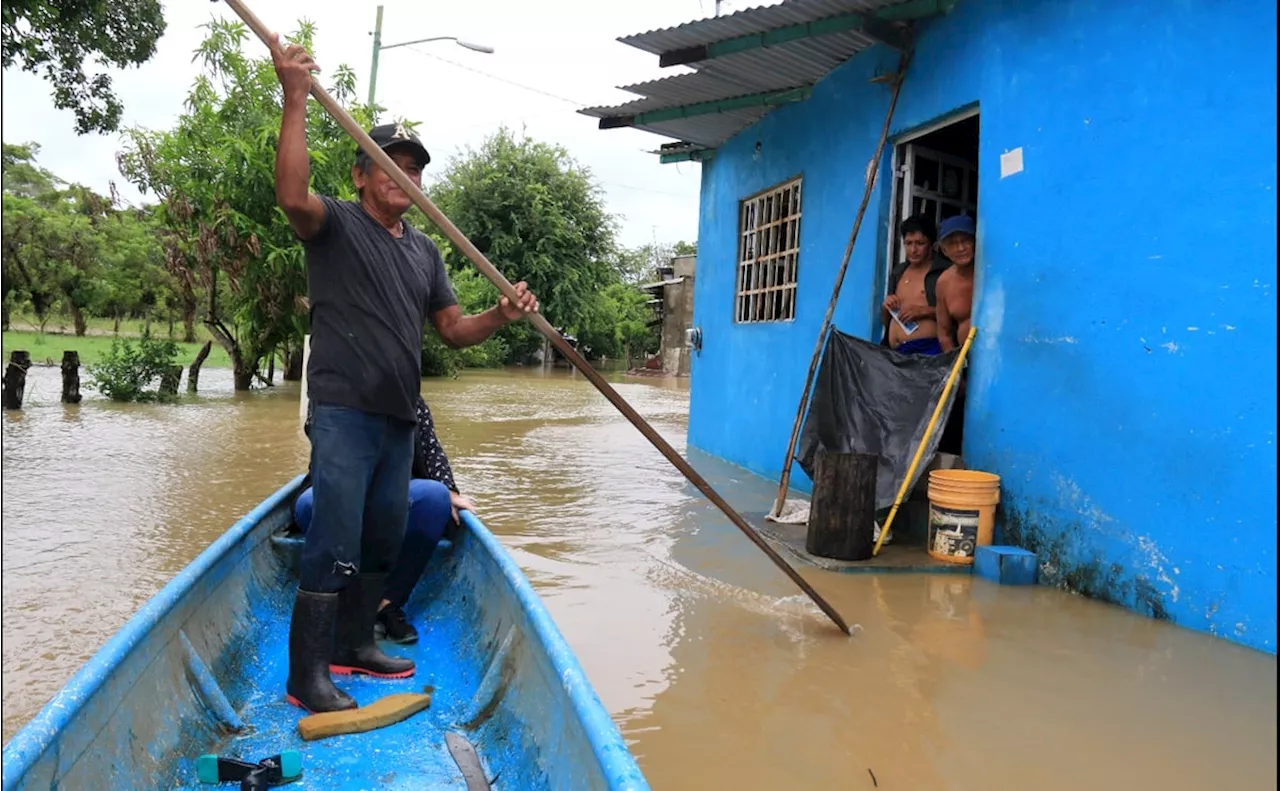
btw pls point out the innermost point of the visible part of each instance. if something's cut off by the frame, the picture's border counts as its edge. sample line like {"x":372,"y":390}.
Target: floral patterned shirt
{"x":429,"y":459}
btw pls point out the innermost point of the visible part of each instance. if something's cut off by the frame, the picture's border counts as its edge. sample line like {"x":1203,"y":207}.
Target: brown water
{"x":717,"y":671}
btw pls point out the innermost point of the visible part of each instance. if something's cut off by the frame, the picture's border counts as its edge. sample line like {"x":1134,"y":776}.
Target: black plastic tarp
{"x":871,"y":399}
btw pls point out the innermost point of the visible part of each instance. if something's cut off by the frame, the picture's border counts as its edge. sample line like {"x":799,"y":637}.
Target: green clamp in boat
{"x":267,"y":773}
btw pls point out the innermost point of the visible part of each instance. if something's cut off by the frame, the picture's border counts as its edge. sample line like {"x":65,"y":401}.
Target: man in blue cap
{"x":955,"y":307}
{"x":955,"y":286}
{"x":373,"y":282}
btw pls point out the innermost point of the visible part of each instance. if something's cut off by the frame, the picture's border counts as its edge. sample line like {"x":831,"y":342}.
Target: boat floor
{"x":411,"y":754}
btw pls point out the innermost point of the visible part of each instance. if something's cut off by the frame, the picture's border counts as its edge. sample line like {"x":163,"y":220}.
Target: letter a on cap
{"x":400,"y":133}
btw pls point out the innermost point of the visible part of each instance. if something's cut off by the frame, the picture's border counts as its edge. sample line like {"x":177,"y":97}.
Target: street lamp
{"x":378,"y":47}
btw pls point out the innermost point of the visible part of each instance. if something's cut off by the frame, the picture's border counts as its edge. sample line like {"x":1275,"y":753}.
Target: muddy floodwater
{"x":717,"y":671}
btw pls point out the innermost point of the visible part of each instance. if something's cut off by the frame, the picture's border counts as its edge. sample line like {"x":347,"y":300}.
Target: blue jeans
{"x":429,"y":514}
{"x":360,"y":464}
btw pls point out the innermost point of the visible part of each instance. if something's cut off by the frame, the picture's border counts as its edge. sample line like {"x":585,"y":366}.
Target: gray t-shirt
{"x":371,"y":295}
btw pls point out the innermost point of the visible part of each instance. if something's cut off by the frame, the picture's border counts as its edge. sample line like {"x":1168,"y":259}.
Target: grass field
{"x":63,"y":325}
{"x":59,"y":336}
{"x":49,"y":346}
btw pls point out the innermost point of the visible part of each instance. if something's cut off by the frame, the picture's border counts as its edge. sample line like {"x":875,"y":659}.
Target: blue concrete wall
{"x":1123,"y":381}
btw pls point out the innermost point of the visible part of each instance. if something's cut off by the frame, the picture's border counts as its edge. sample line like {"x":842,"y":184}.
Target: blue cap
{"x":957,"y":224}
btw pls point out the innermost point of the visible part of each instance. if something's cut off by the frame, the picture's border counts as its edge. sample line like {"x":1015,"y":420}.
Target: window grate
{"x":768,"y":249}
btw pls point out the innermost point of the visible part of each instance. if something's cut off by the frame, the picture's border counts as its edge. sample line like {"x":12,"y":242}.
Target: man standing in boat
{"x":373,"y":281}
{"x":434,"y":502}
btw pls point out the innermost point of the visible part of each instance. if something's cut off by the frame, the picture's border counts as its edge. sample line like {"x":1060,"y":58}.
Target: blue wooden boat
{"x":201,"y":669}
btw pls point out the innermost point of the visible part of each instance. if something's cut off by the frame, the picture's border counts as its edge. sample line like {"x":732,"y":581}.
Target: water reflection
{"x":720,"y":673}
{"x":104,"y":503}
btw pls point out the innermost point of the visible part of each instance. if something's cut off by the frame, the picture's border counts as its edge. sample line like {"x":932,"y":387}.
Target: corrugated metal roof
{"x":793,"y":64}
{"x":661,"y":283}
{"x":747,"y":21}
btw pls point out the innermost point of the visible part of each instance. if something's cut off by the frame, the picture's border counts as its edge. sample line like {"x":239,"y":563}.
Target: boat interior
{"x":202,"y":670}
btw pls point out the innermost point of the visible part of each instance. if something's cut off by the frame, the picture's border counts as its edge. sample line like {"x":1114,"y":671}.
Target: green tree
{"x":617,"y":324}
{"x":130,"y":369}
{"x":214,"y":173}
{"x":61,"y":38}
{"x":134,"y":281}
{"x":26,"y":257}
{"x":32,"y":198}
{"x":70,"y":245}
{"x":535,"y":213}
{"x":475,"y":294}
{"x":76,"y":247}
{"x":634,"y":265}
{"x":684,"y":248}
{"x":640,"y":264}
{"x":22,"y":176}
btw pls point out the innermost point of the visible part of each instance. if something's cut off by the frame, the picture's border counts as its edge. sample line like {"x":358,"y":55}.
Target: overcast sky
{"x":552,"y":57}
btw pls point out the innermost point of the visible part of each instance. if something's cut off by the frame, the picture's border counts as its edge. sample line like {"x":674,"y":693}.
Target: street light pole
{"x":378,"y":47}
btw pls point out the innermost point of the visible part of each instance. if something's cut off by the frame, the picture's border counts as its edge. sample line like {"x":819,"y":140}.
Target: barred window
{"x":769,"y":244}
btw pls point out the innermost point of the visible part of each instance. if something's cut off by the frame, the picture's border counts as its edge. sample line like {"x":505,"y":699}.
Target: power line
{"x":577,"y":104}
{"x":524,"y":119}
{"x":643,"y":189}
{"x":522,"y":86}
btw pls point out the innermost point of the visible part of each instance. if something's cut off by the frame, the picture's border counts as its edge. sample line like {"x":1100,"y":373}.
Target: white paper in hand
{"x":909,"y":327}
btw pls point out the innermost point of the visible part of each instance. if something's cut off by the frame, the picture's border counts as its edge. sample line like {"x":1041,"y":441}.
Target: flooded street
{"x":718,"y":671}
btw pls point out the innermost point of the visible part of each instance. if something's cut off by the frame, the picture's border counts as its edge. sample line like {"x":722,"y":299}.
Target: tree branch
{"x":222,"y":336}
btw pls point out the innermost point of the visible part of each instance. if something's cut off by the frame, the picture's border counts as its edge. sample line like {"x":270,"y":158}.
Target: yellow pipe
{"x":928,"y":432}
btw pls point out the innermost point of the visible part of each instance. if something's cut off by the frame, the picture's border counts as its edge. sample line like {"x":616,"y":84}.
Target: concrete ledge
{"x":1006,"y":565}
{"x":789,"y":540}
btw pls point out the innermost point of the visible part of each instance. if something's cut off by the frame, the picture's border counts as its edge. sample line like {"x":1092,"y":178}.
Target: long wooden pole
{"x":870,"y":182}
{"x":537,"y":319}
{"x":924,"y":440}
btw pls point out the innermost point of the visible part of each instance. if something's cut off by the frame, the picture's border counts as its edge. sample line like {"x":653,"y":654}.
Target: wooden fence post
{"x":15,"y":379}
{"x":71,"y":377}
{"x":170,"y":378}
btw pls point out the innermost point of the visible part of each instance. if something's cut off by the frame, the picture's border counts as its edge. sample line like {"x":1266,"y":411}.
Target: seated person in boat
{"x":373,"y":282}
{"x":434,"y":502}
{"x":912,"y":295}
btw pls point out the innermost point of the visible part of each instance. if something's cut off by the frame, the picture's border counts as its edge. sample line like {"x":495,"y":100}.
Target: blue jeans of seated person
{"x":360,"y":465}
{"x":430,"y":512}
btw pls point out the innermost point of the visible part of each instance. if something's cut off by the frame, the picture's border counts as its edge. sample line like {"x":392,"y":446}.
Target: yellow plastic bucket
{"x":962,"y":513}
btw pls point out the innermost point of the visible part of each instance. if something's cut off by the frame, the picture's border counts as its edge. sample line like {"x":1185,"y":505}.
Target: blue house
{"x":1120,"y":160}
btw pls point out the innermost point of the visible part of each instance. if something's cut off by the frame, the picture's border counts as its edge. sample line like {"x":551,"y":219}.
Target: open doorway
{"x":935,"y":174}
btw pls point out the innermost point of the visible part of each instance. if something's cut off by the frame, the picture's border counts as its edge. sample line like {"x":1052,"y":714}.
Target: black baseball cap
{"x":388,"y":136}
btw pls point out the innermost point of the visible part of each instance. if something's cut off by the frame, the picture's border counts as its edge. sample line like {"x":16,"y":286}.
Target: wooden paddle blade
{"x":379,"y":714}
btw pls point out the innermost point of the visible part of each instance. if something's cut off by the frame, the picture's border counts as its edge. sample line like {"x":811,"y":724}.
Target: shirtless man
{"x":912,"y":291}
{"x":955,"y":287}
{"x":955,"y":308}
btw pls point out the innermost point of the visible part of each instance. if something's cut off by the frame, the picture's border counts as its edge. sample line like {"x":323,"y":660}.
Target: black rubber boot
{"x":356,"y":649}
{"x":310,"y":649}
